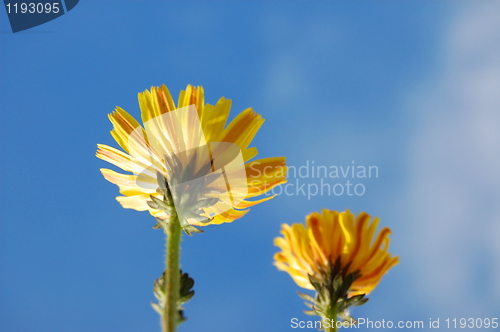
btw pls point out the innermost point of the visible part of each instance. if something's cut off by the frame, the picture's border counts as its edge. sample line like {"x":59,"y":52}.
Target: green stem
{"x":172,"y":282}
{"x":332,"y":318}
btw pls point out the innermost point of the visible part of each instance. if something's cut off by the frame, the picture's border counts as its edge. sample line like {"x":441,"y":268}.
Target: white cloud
{"x":454,"y":192}
{"x":455,"y":169}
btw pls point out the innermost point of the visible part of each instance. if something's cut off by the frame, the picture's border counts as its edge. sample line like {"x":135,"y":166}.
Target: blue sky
{"x":410,"y":87}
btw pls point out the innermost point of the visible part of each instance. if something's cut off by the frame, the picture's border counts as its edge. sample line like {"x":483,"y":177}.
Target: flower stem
{"x":172,"y":282}
{"x":332,"y":318}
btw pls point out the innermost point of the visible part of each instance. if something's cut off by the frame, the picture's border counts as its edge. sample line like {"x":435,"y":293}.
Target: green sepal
{"x":160,"y":223}
{"x":315,"y":282}
{"x":153,"y":205}
{"x":162,"y":182}
{"x":306,"y":297}
{"x":190,"y":229}
{"x":197,"y":215}
{"x":346,"y":284}
{"x":337,"y":283}
{"x":346,"y":318}
{"x":357,"y":300}
{"x":206,"y":202}
{"x":319,"y":312}
{"x":310,"y":312}
{"x":163,"y":205}
{"x":310,"y":305}
{"x":323,"y":295}
{"x":157,"y":308}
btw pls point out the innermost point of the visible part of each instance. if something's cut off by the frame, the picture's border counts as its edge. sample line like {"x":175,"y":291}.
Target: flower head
{"x":336,"y":255}
{"x":204,"y":163}
{"x":334,"y":238}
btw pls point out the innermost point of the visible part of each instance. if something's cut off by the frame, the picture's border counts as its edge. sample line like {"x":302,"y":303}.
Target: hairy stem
{"x":172,"y":282}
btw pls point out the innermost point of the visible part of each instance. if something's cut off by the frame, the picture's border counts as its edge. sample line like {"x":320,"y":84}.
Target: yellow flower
{"x":334,"y":238}
{"x":184,"y":148}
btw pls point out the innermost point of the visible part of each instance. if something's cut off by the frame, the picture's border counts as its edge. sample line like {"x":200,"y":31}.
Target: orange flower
{"x":330,"y":238}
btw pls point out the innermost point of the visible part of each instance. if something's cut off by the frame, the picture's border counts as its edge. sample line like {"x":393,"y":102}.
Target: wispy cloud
{"x":455,"y":169}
